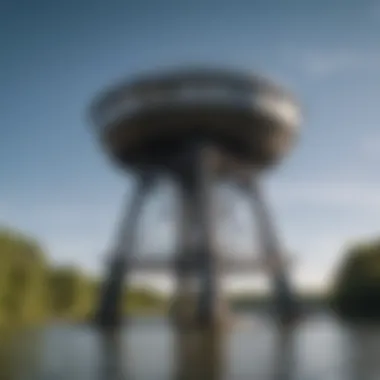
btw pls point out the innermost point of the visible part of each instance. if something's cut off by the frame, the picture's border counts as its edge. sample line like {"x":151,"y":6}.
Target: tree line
{"x":33,"y":291}
{"x":356,"y":293}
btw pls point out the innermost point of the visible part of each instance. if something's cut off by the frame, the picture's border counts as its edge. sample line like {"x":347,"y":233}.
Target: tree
{"x":71,"y":293}
{"x":22,"y":269}
{"x":357,"y":289}
{"x":32,"y":291}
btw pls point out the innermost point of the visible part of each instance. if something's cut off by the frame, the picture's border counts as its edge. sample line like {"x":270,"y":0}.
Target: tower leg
{"x":183,"y":312}
{"x":109,"y":313}
{"x":204,"y":225}
{"x":285,"y":303}
{"x":196,"y":179}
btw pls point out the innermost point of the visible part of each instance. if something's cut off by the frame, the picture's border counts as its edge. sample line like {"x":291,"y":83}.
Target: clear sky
{"x":55,"y":55}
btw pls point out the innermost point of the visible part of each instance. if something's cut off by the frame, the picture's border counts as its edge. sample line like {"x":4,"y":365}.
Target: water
{"x":319,"y":348}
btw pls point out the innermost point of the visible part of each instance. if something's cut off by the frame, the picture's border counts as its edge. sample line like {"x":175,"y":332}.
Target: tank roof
{"x":167,"y":79}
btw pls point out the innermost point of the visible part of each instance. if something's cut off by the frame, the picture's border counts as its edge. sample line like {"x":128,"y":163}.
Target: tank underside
{"x":149,"y":137}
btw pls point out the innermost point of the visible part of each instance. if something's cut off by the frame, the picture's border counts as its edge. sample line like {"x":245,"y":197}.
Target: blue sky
{"x":56,"y":184}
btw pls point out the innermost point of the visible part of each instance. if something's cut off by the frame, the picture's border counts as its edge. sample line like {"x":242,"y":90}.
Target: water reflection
{"x":7,"y":370}
{"x":284,"y":360}
{"x":200,"y":354}
{"x":111,"y":357}
{"x":320,"y":349}
{"x":19,"y":354}
{"x":364,"y":353}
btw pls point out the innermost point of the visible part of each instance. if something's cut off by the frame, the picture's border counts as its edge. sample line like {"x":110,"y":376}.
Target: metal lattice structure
{"x":198,"y":127}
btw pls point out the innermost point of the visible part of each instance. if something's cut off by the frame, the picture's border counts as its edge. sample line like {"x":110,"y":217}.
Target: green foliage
{"x":357,"y":289}
{"x":143,"y":300}
{"x":31,"y":291}
{"x":22,"y":269}
{"x":69,"y":294}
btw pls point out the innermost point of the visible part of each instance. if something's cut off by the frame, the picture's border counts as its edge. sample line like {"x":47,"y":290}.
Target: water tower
{"x":197,"y":126}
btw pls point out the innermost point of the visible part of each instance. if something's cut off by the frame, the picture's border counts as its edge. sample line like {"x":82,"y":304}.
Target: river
{"x":319,"y":348}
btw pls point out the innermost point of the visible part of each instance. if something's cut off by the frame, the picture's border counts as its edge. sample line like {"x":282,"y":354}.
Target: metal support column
{"x":285,"y":303}
{"x":184,"y":270}
{"x":206,"y":256}
{"x":109,"y":313}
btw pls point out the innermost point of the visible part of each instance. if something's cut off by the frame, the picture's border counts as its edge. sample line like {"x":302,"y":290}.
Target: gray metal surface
{"x":147,"y":118}
{"x":109,"y":313}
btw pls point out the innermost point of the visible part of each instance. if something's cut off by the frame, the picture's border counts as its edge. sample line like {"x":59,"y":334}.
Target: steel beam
{"x":109,"y":313}
{"x":284,"y":297}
